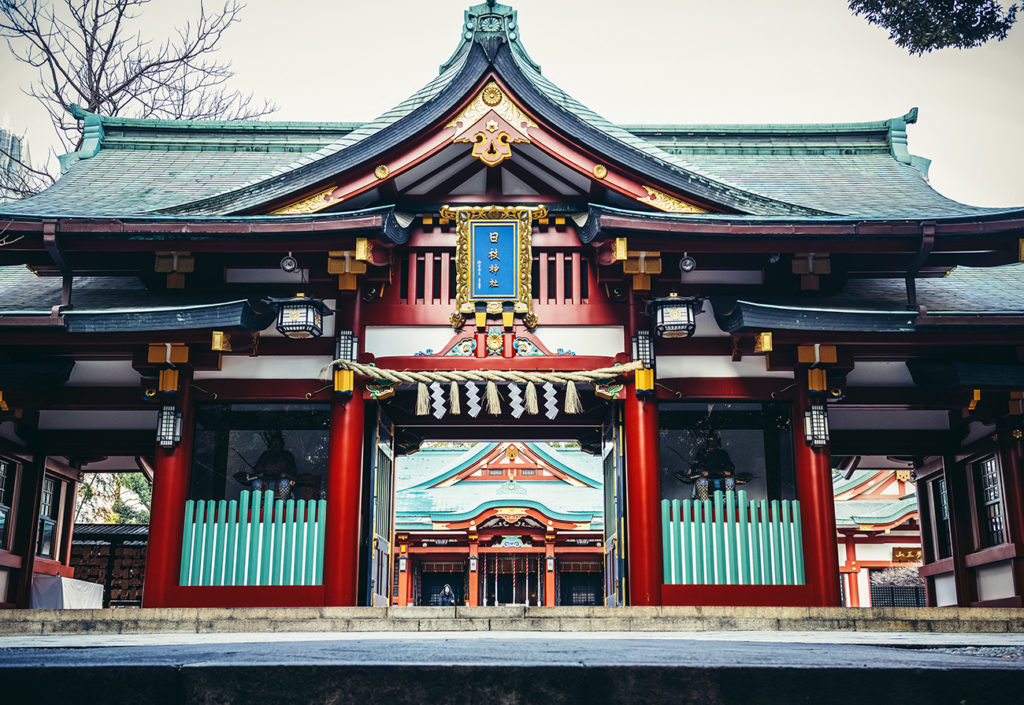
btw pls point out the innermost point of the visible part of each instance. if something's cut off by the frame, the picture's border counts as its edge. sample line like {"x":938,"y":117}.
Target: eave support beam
{"x":927,"y":243}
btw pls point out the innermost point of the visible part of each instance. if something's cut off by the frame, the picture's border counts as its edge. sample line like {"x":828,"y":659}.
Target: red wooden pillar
{"x":1013,"y":465}
{"x":167,"y":512}
{"x":549,"y":575}
{"x":474,"y":575}
{"x":404,"y":568}
{"x":854,"y":574}
{"x":643,"y":500}
{"x":344,"y":501}
{"x":817,"y":512}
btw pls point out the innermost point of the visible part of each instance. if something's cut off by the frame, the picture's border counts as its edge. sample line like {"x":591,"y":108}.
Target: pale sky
{"x":659,"y":61}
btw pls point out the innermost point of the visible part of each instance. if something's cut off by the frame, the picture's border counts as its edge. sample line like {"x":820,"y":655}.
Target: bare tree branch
{"x":89,"y":52}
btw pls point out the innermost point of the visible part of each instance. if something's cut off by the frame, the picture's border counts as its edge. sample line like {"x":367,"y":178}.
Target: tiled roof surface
{"x":869,"y":185}
{"x":857,"y":169}
{"x":873,"y":511}
{"x":23,"y":291}
{"x":122,"y":182}
{"x":963,"y":290}
{"x":417,"y":505}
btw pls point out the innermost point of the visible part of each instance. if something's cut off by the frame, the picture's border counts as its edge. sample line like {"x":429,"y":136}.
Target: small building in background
{"x":500,"y":523}
{"x":878,"y":532}
{"x":13,"y":154}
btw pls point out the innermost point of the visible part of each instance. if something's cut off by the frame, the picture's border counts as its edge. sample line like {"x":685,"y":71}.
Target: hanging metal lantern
{"x":301,"y":317}
{"x":643,"y":348}
{"x":816,"y":425}
{"x":346,"y":346}
{"x":675,"y":316}
{"x":168,"y":427}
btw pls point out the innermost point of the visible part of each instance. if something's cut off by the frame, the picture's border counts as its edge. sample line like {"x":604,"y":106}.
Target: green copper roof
{"x":418,"y":504}
{"x":134,"y":167}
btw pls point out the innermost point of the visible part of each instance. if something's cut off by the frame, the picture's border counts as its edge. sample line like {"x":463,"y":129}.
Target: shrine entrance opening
{"x":502,"y":510}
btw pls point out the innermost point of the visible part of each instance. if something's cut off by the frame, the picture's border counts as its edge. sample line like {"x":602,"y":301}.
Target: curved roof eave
{"x":594,"y":132}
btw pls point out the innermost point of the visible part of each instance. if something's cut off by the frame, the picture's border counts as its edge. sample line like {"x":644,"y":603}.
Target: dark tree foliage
{"x":923,"y":25}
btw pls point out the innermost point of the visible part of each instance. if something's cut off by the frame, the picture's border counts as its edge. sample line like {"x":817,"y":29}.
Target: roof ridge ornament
{"x":489,"y":24}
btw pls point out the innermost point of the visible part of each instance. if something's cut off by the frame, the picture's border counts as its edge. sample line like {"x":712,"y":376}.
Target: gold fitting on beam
{"x":167,"y":353}
{"x":975,"y":398}
{"x":480,"y":318}
{"x":763,"y":342}
{"x":220,"y":342}
{"x":168,"y":381}
{"x":816,"y":381}
{"x":644,"y":380}
{"x":817,"y":354}
{"x":344,"y":381}
{"x":507,"y":318}
{"x":364,"y":249}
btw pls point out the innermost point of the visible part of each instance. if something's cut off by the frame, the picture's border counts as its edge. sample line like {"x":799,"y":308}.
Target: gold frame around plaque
{"x":464,"y":216}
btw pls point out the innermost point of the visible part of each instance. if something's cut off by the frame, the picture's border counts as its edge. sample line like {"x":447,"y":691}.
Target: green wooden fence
{"x":267,"y":542}
{"x":727,"y":540}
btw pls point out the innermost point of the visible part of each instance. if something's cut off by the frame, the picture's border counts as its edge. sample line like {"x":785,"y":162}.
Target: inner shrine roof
{"x":196,"y":168}
{"x":419,"y":503}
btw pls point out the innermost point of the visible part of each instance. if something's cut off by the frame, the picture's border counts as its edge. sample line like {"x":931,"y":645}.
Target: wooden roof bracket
{"x":927,"y":243}
{"x":56,"y":317}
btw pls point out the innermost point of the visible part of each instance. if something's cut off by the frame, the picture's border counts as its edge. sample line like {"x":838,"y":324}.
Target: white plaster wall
{"x":388,"y":341}
{"x":868,"y":418}
{"x":945,"y":590}
{"x":875,"y":552}
{"x":864,"y":587}
{"x":267,"y":367}
{"x":103,"y":373}
{"x":683,"y":366}
{"x":879,"y":374}
{"x":995,"y":581}
{"x":97,"y":420}
{"x":606,"y":341}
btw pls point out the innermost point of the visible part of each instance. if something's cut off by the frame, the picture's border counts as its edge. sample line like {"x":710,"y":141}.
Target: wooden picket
{"x":728,"y":540}
{"x":253,"y":542}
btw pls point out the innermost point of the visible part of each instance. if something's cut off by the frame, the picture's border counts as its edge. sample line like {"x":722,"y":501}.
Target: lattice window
{"x":940,"y":501}
{"x":990,"y":502}
{"x":46,"y":543}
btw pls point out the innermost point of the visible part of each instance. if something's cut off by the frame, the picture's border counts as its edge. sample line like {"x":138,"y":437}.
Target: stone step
{"x":509,"y":618}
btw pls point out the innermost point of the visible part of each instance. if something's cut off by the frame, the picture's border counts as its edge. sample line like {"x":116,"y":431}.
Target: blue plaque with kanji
{"x":493,"y":263}
{"x":494,"y":260}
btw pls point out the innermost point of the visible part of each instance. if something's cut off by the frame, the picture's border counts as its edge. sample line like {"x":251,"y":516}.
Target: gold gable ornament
{"x":492,"y":123}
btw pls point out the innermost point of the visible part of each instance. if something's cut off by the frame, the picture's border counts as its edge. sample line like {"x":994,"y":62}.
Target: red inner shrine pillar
{"x":643,"y":500}
{"x":344,"y":500}
{"x":549,"y":574}
{"x":167,"y":513}
{"x":473,"y":598}
{"x":817,"y":512}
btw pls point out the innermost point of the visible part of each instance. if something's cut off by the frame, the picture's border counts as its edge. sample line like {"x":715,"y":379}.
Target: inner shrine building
{"x":273,"y":319}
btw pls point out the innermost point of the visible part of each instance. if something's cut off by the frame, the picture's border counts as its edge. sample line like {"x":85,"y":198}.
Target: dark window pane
{"x":258,"y":447}
{"x":727,"y":445}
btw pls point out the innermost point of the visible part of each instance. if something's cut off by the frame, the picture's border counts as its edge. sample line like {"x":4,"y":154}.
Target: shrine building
{"x":500,"y":523}
{"x":265,"y":317}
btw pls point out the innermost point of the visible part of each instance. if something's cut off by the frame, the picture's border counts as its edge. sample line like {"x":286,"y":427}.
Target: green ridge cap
{"x":489,"y":24}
